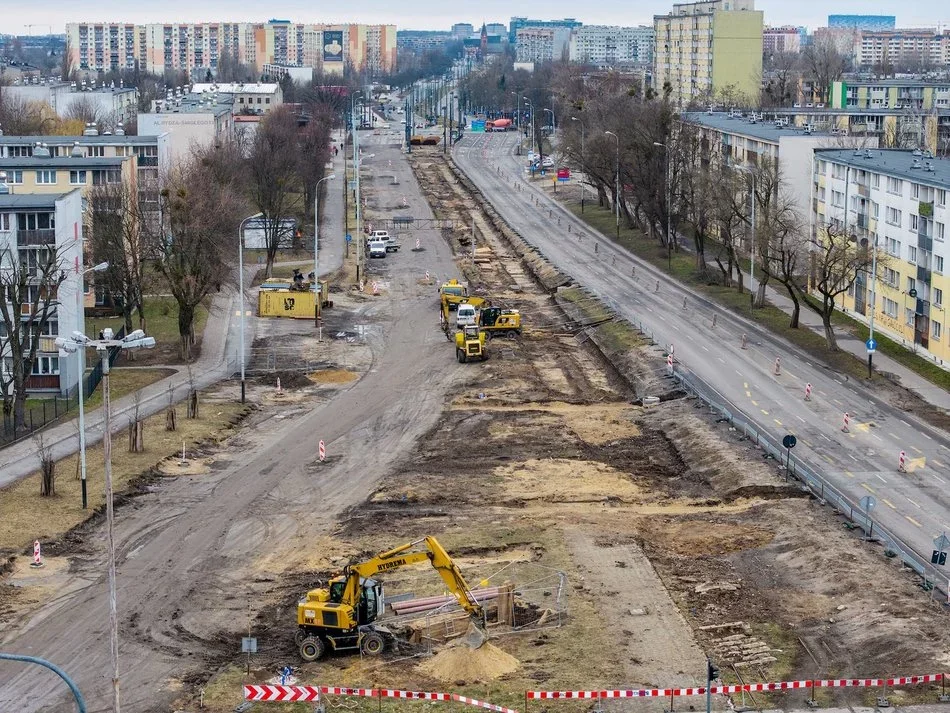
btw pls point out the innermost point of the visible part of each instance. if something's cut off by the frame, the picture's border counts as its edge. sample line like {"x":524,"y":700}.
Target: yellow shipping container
{"x":285,"y":303}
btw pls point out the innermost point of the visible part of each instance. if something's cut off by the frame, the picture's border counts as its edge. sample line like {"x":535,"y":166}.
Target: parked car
{"x":377,"y":248}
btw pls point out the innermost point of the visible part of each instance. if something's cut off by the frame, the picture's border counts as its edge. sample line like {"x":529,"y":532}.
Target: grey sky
{"x":437,"y":14}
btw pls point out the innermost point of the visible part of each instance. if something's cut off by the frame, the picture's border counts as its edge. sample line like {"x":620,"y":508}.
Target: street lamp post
{"x":79,"y":341}
{"x":669,"y":209}
{"x":552,"y":121}
{"x":241,"y":304}
{"x":873,"y":305}
{"x":751,"y":172}
{"x":316,"y":249}
{"x":82,"y":373}
{"x":530,"y":121}
{"x":616,"y":181}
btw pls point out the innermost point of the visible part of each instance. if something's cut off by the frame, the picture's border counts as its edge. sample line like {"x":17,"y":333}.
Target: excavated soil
{"x":459,"y":664}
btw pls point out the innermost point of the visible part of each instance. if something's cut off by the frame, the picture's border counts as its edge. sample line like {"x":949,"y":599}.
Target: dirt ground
{"x":677,"y":538}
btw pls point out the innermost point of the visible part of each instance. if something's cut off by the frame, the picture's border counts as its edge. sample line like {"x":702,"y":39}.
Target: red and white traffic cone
{"x":37,"y":556}
{"x":778,"y":366}
{"x":846,"y":426}
{"x":808,"y":392}
{"x":375,"y":289}
{"x":418,"y":243}
{"x":669,"y":362}
{"x":902,"y":463}
{"x":279,"y":389}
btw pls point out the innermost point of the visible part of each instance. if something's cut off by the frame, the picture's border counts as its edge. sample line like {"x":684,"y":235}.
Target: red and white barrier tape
{"x":312,"y":693}
{"x":481,"y":704}
{"x":749,"y":687}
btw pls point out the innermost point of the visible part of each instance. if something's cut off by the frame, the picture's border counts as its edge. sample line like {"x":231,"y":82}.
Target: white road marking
{"x":825,"y":437}
{"x":880,"y":477}
{"x":705,"y":348}
{"x":939,"y":479}
{"x":801,"y":419}
{"x":721,"y":359}
{"x":737,"y":371}
{"x":852,"y":458}
{"x":874,"y":435}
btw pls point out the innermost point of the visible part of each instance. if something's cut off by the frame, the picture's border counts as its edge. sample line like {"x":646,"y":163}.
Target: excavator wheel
{"x":372,"y":644}
{"x":460,"y":355}
{"x":312,"y":648}
{"x":299,"y":637}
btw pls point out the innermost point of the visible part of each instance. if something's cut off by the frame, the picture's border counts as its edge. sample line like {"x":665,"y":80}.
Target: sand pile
{"x":332,"y":376}
{"x":457,"y":662}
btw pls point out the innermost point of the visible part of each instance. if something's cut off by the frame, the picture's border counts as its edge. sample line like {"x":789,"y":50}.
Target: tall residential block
{"x":709,"y":51}
{"x":199,"y":47}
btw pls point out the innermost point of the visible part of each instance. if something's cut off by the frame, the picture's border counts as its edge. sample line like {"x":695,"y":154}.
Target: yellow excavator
{"x":342,"y":616}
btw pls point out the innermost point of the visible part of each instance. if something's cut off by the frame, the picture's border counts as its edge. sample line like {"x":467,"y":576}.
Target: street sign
{"x":349,"y":238}
{"x":912,"y":293}
{"x":871,"y":344}
{"x":867,"y":503}
{"x":789,"y":441}
{"x":248,"y":645}
{"x":939,"y":556}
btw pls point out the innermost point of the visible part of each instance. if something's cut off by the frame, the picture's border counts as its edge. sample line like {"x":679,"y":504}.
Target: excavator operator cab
{"x":371,"y":602}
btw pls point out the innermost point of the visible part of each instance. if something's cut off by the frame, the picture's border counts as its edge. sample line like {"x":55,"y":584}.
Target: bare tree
{"x":836,"y":259}
{"x":30,"y":281}
{"x":121,"y":236}
{"x":47,"y":467}
{"x":87,"y":110}
{"x":314,"y":150}
{"x":272,"y":168}
{"x":782,"y":71}
{"x":824,"y":63}
{"x":201,"y":207}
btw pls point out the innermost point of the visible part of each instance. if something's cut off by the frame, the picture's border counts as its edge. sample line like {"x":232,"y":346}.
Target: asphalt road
{"x":185,"y":551}
{"x":914,"y":505}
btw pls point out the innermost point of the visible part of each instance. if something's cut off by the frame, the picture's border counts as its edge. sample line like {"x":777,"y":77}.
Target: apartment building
{"x":111,"y":104}
{"x":190,"y":121}
{"x":896,"y":201}
{"x":923,"y":47}
{"x":910,"y":94}
{"x":247,"y":97}
{"x":518,"y":23}
{"x":612,"y":45}
{"x":779,"y":40}
{"x":30,"y":225}
{"x":198,"y":47}
{"x":542,"y":44}
{"x":745,"y":140}
{"x":707,"y":50}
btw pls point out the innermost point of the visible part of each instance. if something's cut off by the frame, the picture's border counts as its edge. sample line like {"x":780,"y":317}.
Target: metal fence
{"x":810,"y":478}
{"x":38,"y":413}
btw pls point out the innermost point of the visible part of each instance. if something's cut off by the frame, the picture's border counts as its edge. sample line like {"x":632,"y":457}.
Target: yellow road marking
{"x":915,"y":463}
{"x":777,"y":421}
{"x":745,"y":385}
{"x":913,"y":520}
{"x":765,"y":412}
{"x":755,"y":403}
{"x":868,"y":488}
{"x":863,"y":427}
{"x":749,"y":394}
{"x":849,"y":473}
{"x":889,"y":503}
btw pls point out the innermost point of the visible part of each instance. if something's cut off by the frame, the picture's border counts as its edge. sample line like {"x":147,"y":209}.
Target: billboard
{"x":332,"y":45}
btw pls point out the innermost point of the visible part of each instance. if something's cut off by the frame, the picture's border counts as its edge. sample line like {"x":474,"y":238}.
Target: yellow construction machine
{"x":451,"y":293}
{"x":342,"y":615}
{"x":470,"y":344}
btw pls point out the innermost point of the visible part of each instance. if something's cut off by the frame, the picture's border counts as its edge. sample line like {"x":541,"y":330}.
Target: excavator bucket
{"x":474,"y":637}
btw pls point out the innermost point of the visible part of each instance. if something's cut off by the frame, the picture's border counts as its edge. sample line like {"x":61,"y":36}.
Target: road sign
{"x":789,"y":441}
{"x":867,"y":503}
{"x":248,"y":644}
{"x":942,"y":542}
{"x":938,"y":557}
{"x":349,"y":238}
{"x":871,"y":344}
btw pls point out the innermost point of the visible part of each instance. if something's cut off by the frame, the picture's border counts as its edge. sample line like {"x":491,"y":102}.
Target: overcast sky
{"x":437,"y":14}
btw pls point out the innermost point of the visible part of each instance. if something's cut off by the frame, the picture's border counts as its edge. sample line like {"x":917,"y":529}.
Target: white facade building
{"x":542,"y":44}
{"x":32,"y":222}
{"x":612,"y":45}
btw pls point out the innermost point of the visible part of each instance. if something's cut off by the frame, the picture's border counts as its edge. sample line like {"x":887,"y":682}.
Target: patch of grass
{"x":124,"y":381}
{"x":25,"y":516}
{"x":617,"y":335}
{"x":161,"y":322}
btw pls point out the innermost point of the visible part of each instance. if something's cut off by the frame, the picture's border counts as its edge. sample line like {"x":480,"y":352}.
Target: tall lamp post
{"x":743,"y":169}
{"x":135,"y":340}
{"x":241,"y":304}
{"x":82,"y":374}
{"x":669,"y":209}
{"x":873,"y":246}
{"x":530,"y":122}
{"x":616,"y":181}
{"x":551,"y":111}
{"x":317,"y":297}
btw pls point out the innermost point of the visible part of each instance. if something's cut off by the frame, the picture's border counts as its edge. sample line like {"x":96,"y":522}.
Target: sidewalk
{"x":219,"y":357}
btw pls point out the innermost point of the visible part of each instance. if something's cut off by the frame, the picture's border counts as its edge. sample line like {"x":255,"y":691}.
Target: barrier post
{"x":901,"y":467}
{"x":744,"y":342}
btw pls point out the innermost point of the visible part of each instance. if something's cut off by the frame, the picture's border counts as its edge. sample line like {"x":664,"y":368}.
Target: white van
{"x":466,"y":315}
{"x":377,"y":248}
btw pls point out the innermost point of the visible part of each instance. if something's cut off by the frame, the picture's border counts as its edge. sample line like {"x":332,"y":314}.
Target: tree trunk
{"x":760,"y":292}
{"x":170,"y":419}
{"x":186,"y":319}
{"x":796,"y":307}
{"x":48,"y":479}
{"x":19,"y":405}
{"x":193,"y":404}
{"x":830,"y":338}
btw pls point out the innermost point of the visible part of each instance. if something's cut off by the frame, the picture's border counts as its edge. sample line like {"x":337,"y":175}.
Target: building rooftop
{"x":762,"y":129}
{"x":869,"y":111}
{"x":10,"y":201}
{"x":63,"y":162}
{"x":895,"y":83}
{"x":82,"y":140}
{"x":236,"y":88}
{"x":909,"y":165}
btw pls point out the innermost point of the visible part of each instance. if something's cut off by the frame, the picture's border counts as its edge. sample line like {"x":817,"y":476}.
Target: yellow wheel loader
{"x":470,"y":344}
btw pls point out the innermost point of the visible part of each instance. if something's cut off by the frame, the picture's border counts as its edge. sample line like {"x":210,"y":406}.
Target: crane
{"x":341,"y":615}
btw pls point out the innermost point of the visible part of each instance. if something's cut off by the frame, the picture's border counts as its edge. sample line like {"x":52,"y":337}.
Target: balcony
{"x":923,"y":274}
{"x":44,"y":236}
{"x":863,"y":220}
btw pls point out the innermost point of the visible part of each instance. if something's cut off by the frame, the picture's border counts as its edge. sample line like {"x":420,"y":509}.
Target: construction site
{"x":614,"y":539}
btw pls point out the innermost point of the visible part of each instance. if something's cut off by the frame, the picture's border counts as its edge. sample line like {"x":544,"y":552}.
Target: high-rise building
{"x":709,"y":50}
{"x":862,"y":22}
{"x":542,"y":44}
{"x":496,"y":28}
{"x":518,"y":23}
{"x":612,"y":45}
{"x":923,"y":47}
{"x":777,"y":40}
{"x":461,"y":30}
{"x":193,"y":47}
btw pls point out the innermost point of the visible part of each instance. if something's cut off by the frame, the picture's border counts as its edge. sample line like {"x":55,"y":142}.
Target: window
{"x":911,"y":284}
{"x":837,"y":170}
{"x":892,"y":277}
{"x":45,"y":366}
{"x":101,"y":178}
{"x":267,"y":100}
{"x":938,"y":296}
{"x":938,"y":231}
{"x":46,"y":177}
{"x":890,"y":308}
{"x":915,"y":191}
{"x":893,"y":216}
{"x":35,"y":221}
{"x":936,"y":329}
{"x":97,"y":151}
{"x":77,"y":178}
{"x":909,"y":316}
{"x":912,"y":253}
{"x":837,"y":199}
{"x":914,"y":222}
{"x":15,"y":178}
{"x":4,"y":221}
{"x":876,"y":180}
{"x":941,"y":197}
{"x":894,"y":185}
{"x":938,"y":263}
